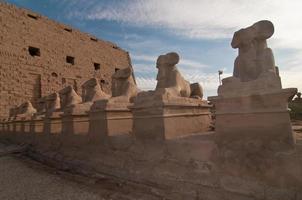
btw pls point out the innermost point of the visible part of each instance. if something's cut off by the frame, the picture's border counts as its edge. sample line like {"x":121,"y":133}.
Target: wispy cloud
{"x":185,"y":62}
{"x":201,"y":18}
{"x":204,"y":19}
{"x":146,"y":58}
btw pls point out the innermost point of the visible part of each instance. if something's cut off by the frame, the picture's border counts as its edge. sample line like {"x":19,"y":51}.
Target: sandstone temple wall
{"x":39,"y":56}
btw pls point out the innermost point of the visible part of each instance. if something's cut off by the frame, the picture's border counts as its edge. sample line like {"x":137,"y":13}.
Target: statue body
{"x":254,"y":56}
{"x":123,"y":86}
{"x":68,"y":97}
{"x":170,"y":80}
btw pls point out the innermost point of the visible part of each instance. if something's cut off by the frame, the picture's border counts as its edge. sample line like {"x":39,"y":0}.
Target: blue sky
{"x":199,"y":30}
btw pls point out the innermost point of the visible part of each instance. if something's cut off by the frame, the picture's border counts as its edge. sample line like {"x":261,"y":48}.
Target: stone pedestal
{"x":2,"y":125}
{"x":26,"y":125}
{"x":37,"y":124}
{"x":170,"y":119}
{"x":53,"y":123}
{"x":257,"y":117}
{"x":110,"y":119}
{"x":18,"y":126}
{"x":75,"y":120}
{"x":75,"y":124}
{"x":6,"y":126}
{"x":253,"y":112}
{"x":9,"y":127}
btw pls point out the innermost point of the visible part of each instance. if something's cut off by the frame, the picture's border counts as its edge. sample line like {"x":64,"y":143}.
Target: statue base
{"x":109,"y":119}
{"x":168,"y":119}
{"x":53,"y":123}
{"x":75,"y":120}
{"x":75,"y":124}
{"x":37,"y":124}
{"x":257,"y":119}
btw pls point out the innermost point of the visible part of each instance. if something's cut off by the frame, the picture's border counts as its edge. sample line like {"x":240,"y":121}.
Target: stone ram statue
{"x":169,"y":79}
{"x":92,"y":91}
{"x":69,"y":97}
{"x":53,"y":103}
{"x":123,"y":86}
{"x":254,"y":56}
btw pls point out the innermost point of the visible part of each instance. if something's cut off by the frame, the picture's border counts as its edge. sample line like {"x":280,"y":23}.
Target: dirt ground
{"x":24,"y":179}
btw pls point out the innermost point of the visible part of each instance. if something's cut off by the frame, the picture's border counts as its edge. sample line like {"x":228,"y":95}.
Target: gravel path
{"x":25,"y":180}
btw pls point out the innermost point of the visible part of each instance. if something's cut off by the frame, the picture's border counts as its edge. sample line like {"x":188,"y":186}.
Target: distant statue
{"x":298,"y":97}
{"x":26,"y":110}
{"x":53,"y":103}
{"x":169,"y":79}
{"x":41,"y":106}
{"x":69,"y":97}
{"x":92,"y":91}
{"x":123,"y":86}
{"x":13,"y":112}
{"x":254,"y":56}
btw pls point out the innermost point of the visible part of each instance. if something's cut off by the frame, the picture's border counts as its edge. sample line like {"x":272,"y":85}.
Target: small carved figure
{"x":169,"y":79}
{"x":26,"y":110}
{"x":254,"y":56}
{"x":298,"y":97}
{"x":41,"y":105}
{"x":69,"y":97}
{"x":123,"y":86}
{"x":13,"y":113}
{"x":53,"y":103}
{"x":92,"y":91}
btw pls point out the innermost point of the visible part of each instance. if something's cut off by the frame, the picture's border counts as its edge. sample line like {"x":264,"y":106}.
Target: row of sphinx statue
{"x":170,"y":83}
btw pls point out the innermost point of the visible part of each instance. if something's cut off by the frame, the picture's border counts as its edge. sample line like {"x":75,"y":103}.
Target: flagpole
{"x":219,"y":75}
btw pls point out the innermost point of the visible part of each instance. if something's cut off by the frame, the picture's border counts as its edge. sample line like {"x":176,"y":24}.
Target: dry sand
{"x":25,"y":179}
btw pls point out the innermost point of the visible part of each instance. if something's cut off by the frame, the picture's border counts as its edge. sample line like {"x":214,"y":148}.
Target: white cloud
{"x":203,"y":18}
{"x":192,"y":64}
{"x":183,"y":62}
{"x":146,"y":58}
{"x":209,"y":19}
{"x":291,"y":78}
{"x":146,"y":83}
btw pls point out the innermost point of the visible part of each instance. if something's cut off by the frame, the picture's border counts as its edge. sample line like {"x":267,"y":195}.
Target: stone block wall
{"x":39,"y":56}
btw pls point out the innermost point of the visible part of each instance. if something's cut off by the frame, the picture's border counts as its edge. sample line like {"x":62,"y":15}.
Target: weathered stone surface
{"x":41,"y":106}
{"x":53,"y":103}
{"x":92,"y":91}
{"x":68,"y":97}
{"x":25,"y":110}
{"x":109,"y":119}
{"x":34,"y":58}
{"x":124,"y":88}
